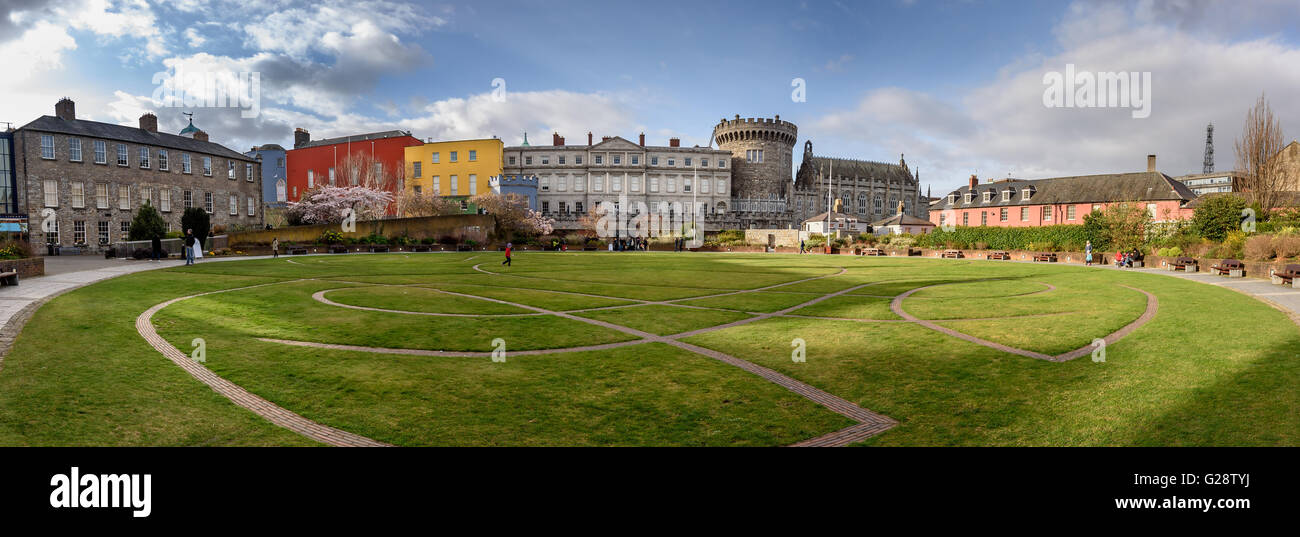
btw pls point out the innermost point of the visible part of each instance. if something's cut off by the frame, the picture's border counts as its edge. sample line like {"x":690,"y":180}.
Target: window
{"x":616,"y":184}
{"x":452,"y":156}
{"x":121,"y":155}
{"x":634,"y":184}
{"x":74,"y":149}
{"x":103,"y":232}
{"x":252,"y":204}
{"x":965,"y":218}
{"x":636,"y":159}
{"x":279,"y":163}
{"x":78,"y":195}
{"x":1002,"y":216}
{"x":248,"y":172}
{"x":618,"y":159}
{"x":207,"y":202}
{"x":722,"y":186}
{"x":415,"y":171}
{"x":188,"y":199}
{"x":124,"y":197}
{"x":579,"y":182}
{"x":455,"y":186}
{"x":473,"y":184}
{"x":146,"y":194}
{"x":670,"y":185}
{"x":53,"y":235}
{"x":704,"y":186}
{"x":952,"y":198}
{"x":561,"y":157}
{"x":1006,"y":194}
{"x":970,"y":196}
{"x":528,"y":161}
{"x":331,"y":176}
{"x":230,"y":169}
{"x":185,"y":163}
{"x":546,"y":160}
{"x":722,"y":163}
{"x":654,"y":184}
{"x":600,"y":159}
{"x":561,"y":183}
{"x":436,"y":158}
{"x":311,"y":178}
{"x":597,"y":184}
{"x":207,"y":166}
{"x":51,"y":193}
{"x":688,"y":161}
{"x":162,"y":159}
{"x":1047,"y":213}
{"x":437,"y":185}
{"x":79,"y":232}
{"x":1024,"y":214}
{"x":672,"y":161}
{"x":234,"y":205}
{"x":577,"y":159}
{"x":1069,"y":212}
{"x":101,"y":152}
{"x":473,"y":155}
{"x":577,"y":207}
{"x":988,"y":196}
{"x":1025,"y":194}
{"x":654,"y":161}
{"x":125,"y":228}
{"x":544,"y":183}
{"x":144,"y":158}
{"x":546,"y":207}
{"x":47,"y":146}
{"x":512,"y":159}
{"x":686,"y":185}
{"x":943,"y":217}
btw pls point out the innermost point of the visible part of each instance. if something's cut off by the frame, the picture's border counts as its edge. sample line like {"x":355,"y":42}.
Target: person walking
{"x":275,"y":247}
{"x":156,"y":246}
{"x":189,"y":247}
{"x":801,"y":247}
{"x":1087,"y":251}
{"x":509,"y":247}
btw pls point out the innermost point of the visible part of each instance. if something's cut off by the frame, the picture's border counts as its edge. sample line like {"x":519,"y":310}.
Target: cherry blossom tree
{"x":327,"y":204}
{"x":513,"y":215}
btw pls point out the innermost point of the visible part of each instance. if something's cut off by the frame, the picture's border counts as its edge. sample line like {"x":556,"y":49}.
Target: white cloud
{"x":194,"y":38}
{"x":1003,"y":127}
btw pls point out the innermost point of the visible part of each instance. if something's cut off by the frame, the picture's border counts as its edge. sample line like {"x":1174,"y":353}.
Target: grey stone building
{"x":761,"y":149}
{"x":572,"y":179}
{"x":867,"y":190}
{"x":82,"y":181}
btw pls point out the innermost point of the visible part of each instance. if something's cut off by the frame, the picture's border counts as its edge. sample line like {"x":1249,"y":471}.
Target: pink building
{"x":1061,"y":200}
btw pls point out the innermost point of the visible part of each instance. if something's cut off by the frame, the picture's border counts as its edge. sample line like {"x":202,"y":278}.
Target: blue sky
{"x":956,"y":85}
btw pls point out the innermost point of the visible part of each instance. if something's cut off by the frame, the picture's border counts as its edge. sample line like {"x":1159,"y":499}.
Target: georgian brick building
{"x":82,"y":181}
{"x":1061,"y":200}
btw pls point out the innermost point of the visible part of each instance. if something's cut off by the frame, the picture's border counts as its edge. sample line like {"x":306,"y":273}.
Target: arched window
{"x":722,"y":207}
{"x":279,"y":190}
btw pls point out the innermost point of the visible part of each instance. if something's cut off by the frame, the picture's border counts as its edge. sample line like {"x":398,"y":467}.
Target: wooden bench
{"x":422,"y":248}
{"x":1000,"y":255}
{"x":297,"y":251}
{"x":1047,"y":257}
{"x":873,"y":251}
{"x":8,"y":275}
{"x":952,"y":254}
{"x":1287,"y":275}
{"x":338,"y":249}
{"x":1231,"y":268}
{"x":378,"y":248}
{"x":1185,"y":264}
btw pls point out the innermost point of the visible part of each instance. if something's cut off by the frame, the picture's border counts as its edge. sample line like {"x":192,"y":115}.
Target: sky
{"x":956,"y":86}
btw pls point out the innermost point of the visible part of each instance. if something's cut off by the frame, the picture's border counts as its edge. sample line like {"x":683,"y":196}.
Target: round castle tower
{"x":750,"y":178}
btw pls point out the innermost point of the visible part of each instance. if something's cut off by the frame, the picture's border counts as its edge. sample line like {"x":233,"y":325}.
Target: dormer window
{"x":988,"y":196}
{"x":1026,"y":193}
{"x":970,"y":197}
{"x":952,"y":199}
{"x":1006,"y":194}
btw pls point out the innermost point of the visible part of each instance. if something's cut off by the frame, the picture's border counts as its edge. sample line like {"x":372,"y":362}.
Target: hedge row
{"x":1058,"y":237}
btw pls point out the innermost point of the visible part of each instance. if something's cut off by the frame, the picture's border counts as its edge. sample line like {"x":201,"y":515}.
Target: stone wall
{"x":26,"y":268}
{"x":34,"y":170}
{"x":465,"y":225}
{"x":784,"y":237}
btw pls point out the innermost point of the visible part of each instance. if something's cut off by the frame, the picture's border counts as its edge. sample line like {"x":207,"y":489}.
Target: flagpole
{"x":829,"y":207}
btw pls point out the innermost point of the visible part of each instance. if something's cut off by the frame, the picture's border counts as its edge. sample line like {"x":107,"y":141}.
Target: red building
{"x":376,"y":159}
{"x":1061,"y":200}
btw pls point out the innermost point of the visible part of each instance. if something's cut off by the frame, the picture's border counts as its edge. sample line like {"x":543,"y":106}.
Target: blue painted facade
{"x":525,"y":186}
{"x":274,"y":173}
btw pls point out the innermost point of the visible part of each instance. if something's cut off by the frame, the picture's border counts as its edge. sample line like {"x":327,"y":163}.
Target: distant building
{"x":866,"y":189}
{"x":1061,"y":200}
{"x":902,"y":223}
{"x":836,"y":222}
{"x":377,"y":159}
{"x":275,"y":186}
{"x":91,"y":177}
{"x":522,"y":186}
{"x":457,"y":169}
{"x":1212,"y":183}
{"x":1288,"y":159}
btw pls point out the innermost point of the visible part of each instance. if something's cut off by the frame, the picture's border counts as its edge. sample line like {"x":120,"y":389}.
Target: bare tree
{"x":359,"y":169}
{"x":1261,"y":140}
{"x":411,"y":204}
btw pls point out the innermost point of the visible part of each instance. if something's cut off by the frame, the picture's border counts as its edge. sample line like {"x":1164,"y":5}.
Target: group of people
{"x":193,"y":249}
{"x":634,"y":244}
{"x":1126,"y":259}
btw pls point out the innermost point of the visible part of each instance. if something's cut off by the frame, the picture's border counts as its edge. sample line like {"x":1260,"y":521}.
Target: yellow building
{"x":459,"y":168}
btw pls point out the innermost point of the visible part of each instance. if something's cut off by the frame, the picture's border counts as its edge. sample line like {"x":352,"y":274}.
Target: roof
{"x":902,"y":220}
{"x":355,"y":138}
{"x":122,"y":133}
{"x":812,"y":165}
{"x":834,"y":216}
{"x":1104,"y":188}
{"x":269,"y":147}
{"x":617,"y":143}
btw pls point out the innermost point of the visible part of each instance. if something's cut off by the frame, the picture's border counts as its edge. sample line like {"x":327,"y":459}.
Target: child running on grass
{"x":509,"y":246}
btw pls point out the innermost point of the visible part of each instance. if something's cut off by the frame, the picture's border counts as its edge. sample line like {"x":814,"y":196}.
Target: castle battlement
{"x":749,"y":123}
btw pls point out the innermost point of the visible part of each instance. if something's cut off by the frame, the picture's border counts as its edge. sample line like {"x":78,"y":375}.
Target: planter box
{"x":297,"y":251}
{"x":379,"y":248}
{"x":464,"y":248}
{"x":422,"y":248}
{"x":337,"y":249}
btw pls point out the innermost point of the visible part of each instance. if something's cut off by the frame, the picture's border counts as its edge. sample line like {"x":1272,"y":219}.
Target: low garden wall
{"x":26,"y":268}
{"x":416,"y":228}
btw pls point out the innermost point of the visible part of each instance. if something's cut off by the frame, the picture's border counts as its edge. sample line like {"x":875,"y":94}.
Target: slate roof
{"x":805,"y":177}
{"x":133,"y":135}
{"x":902,"y":220}
{"x":834,"y":216}
{"x":1104,"y":188}
{"x":355,"y":138}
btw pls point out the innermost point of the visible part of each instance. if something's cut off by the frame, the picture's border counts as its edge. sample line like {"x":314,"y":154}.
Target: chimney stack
{"x":588,"y":137}
{"x":300,"y":137}
{"x":643,"y":139}
{"x":201,"y":136}
{"x":974,"y":182}
{"x":674,"y":142}
{"x":149,"y":122}
{"x":605,"y":138}
{"x":1151,"y":163}
{"x":65,"y":109}
{"x":556,"y":139}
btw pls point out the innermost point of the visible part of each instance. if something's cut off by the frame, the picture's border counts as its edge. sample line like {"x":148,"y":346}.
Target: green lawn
{"x":79,"y":374}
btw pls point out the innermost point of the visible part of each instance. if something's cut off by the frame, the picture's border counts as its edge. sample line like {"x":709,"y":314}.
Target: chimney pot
{"x":201,"y":136}
{"x":588,"y":137}
{"x":556,"y":139}
{"x":1151,"y":163}
{"x":643,"y":139}
{"x":149,"y":122}
{"x":300,"y":137}
{"x":674,"y":142}
{"x":974,"y":182}
{"x":65,"y":109}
